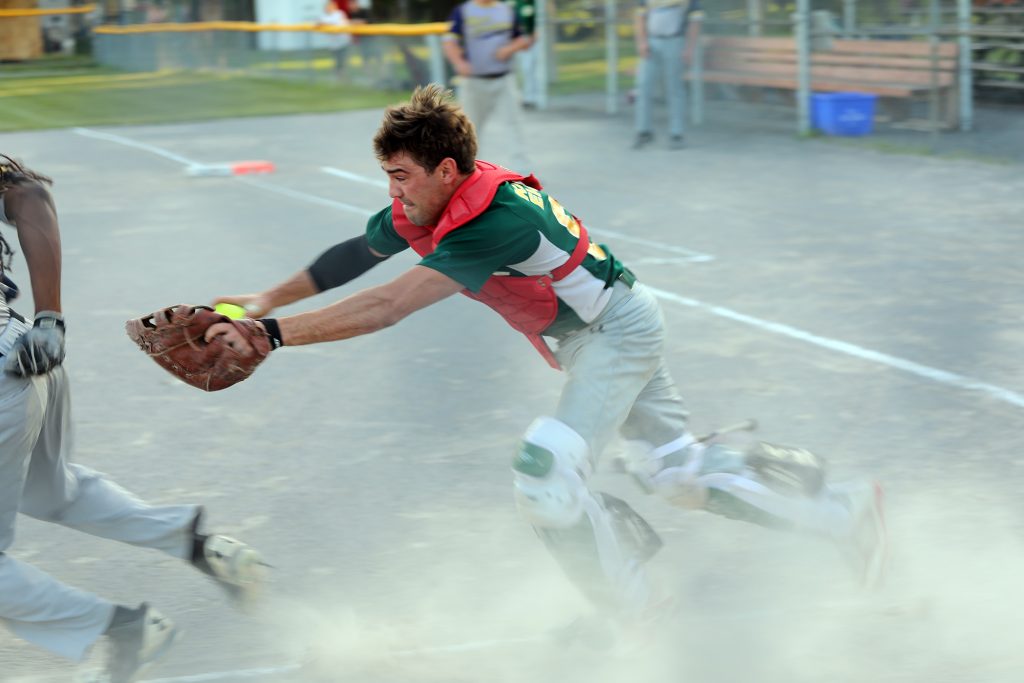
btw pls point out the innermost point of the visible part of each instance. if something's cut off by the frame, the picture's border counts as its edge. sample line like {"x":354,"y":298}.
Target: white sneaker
{"x":866,"y":545}
{"x":237,"y":566}
{"x":138,"y":643}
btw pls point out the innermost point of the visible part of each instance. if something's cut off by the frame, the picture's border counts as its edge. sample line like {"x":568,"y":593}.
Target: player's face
{"x":423,"y":195}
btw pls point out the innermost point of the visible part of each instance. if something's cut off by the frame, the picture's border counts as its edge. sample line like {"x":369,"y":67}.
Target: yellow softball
{"x":230,"y":310}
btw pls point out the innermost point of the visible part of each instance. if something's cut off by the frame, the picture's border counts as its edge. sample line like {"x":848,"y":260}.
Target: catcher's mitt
{"x":174,"y":338}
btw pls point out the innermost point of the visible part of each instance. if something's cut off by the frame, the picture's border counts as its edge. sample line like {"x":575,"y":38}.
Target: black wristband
{"x":273,"y":331}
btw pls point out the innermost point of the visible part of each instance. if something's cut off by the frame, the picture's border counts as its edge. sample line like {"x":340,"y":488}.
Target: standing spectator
{"x":483,"y":37}
{"x":666,"y":31}
{"x":338,"y":43}
{"x":155,"y":12}
{"x":369,"y":46}
{"x":526,"y":11}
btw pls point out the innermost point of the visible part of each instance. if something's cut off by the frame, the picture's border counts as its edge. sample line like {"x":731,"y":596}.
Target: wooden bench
{"x":888,"y":68}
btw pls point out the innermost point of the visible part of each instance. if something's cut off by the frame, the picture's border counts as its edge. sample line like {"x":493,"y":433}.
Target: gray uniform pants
{"x":665,"y":59}
{"x":617,"y":378}
{"x":36,"y":479}
{"x":527,"y":63}
{"x":618,"y":382}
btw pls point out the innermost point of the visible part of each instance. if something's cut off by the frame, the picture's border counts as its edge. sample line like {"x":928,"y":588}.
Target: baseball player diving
{"x":498,"y":237}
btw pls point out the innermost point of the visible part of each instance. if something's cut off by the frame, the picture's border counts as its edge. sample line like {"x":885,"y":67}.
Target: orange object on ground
{"x":246,"y":167}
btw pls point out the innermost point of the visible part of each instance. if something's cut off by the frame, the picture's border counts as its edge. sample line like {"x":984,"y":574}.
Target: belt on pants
{"x":560,"y":332}
{"x":627,"y":278}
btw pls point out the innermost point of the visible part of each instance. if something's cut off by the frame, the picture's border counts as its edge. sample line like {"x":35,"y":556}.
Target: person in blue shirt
{"x":483,"y":37}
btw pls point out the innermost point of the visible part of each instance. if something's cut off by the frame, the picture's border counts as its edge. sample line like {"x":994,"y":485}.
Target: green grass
{"x":48,"y":63}
{"x":61,"y":92}
{"x":582,"y":67}
{"x":96,"y":97}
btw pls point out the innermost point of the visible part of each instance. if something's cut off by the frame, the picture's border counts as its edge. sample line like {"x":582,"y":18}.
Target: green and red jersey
{"x":523,"y":232}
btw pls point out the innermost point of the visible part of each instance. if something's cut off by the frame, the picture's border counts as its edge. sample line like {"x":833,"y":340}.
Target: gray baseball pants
{"x":617,"y":377}
{"x":37,"y":479}
{"x":665,"y":59}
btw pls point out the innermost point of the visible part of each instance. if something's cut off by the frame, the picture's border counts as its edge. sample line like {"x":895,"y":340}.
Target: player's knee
{"x":549,"y":470}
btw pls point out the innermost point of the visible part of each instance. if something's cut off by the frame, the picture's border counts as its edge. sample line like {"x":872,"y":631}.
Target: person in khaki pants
{"x":483,"y":37}
{"x":38,"y":479}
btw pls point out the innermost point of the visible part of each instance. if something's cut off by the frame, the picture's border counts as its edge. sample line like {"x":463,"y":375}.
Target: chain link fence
{"x":385,"y":56}
{"x":589,"y":53}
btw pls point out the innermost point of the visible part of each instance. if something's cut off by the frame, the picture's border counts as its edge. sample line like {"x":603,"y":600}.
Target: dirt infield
{"x":864,"y":305}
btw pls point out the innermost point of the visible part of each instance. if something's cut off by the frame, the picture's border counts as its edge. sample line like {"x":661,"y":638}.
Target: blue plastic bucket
{"x":843,"y":113}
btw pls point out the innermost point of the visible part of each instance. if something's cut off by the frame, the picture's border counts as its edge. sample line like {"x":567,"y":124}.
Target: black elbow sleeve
{"x":343,"y":262}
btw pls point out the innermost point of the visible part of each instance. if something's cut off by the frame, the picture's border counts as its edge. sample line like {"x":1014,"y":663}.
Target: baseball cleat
{"x":235,"y":565}
{"x":138,"y":643}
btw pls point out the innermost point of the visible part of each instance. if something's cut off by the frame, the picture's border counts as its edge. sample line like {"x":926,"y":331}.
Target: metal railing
{"x":968,"y":36}
{"x":387,"y":55}
{"x":581,"y":52}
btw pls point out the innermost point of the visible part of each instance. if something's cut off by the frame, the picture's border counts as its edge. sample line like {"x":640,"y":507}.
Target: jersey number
{"x":564,"y":218}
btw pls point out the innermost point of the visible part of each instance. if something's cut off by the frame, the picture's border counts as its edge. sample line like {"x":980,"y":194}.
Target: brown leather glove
{"x":174,"y":338}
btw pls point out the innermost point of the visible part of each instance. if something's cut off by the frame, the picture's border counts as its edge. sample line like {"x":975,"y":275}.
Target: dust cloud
{"x":752,"y":605}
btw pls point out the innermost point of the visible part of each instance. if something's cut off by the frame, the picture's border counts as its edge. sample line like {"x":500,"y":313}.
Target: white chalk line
{"x":348,"y":175}
{"x":924,"y":371}
{"x":656,"y":261}
{"x":128,"y":142}
{"x":222,"y":675}
{"x":306,"y":197}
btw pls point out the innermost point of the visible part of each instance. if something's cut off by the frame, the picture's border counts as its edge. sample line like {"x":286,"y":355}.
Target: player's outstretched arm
{"x":371,"y":309}
{"x":364,"y":312}
{"x":338,"y":265}
{"x":295,"y":288}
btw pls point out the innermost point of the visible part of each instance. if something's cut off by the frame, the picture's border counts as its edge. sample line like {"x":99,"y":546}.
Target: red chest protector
{"x":528,"y":304}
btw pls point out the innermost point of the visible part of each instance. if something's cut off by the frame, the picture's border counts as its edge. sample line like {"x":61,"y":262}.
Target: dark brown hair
{"x":11,"y":172}
{"x":429,"y":128}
